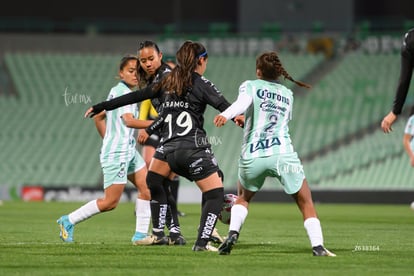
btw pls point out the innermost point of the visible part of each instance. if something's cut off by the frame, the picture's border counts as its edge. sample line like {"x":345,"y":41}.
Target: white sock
{"x":143,"y":214}
{"x":314,"y":230}
{"x":84,"y":212}
{"x":238,"y":215}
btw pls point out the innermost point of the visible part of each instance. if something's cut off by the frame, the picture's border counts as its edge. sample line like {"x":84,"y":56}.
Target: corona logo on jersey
{"x":266,"y":94}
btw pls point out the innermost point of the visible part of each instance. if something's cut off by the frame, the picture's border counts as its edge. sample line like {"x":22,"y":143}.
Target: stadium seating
{"x":368,"y":163}
{"x":46,"y":141}
{"x":349,"y":98}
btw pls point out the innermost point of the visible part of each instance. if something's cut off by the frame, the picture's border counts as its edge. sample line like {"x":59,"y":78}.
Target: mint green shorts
{"x":117,"y":173}
{"x":287,"y":168}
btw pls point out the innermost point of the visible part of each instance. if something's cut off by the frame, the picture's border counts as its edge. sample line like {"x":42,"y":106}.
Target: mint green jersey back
{"x":409,"y":129}
{"x":119,"y":141}
{"x":266,"y":130}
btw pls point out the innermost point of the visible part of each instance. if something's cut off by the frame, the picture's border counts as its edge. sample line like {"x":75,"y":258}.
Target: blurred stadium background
{"x":58,"y":59}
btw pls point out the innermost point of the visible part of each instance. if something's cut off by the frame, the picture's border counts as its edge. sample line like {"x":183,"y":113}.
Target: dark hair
{"x":141,"y":74}
{"x":148,"y":43}
{"x":271,"y":68}
{"x":188,"y":57}
{"x":125,"y":59}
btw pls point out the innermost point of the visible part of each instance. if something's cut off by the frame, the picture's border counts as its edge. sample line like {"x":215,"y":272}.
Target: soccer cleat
{"x":160,"y":239}
{"x":66,"y":229}
{"x":322,"y":251}
{"x":215,"y":237}
{"x":207,"y":247}
{"x":176,"y":240}
{"x":226,"y":247}
{"x":142,"y":239}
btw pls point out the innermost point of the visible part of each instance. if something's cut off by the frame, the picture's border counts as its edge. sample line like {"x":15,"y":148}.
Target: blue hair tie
{"x":202,"y":54}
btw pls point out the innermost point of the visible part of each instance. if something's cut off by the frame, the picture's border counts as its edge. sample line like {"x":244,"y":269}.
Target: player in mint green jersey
{"x":267,"y":149}
{"x":120,"y":162}
{"x":408,"y":140}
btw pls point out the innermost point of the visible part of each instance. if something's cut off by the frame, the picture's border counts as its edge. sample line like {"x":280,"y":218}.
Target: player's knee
{"x":144,"y":194}
{"x":108,"y":204}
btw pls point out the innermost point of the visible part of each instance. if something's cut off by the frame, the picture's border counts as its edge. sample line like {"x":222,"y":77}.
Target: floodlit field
{"x":368,"y":240}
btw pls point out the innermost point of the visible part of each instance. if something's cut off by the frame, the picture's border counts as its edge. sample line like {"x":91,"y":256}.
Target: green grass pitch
{"x":368,"y":240}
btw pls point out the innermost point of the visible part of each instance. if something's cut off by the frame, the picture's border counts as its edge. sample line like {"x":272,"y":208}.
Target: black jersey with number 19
{"x":182,"y":119}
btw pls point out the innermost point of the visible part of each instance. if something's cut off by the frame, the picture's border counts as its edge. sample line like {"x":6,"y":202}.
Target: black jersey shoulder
{"x":203,"y":81}
{"x":408,"y":42}
{"x":203,"y":88}
{"x":162,"y":71}
{"x":208,"y":93}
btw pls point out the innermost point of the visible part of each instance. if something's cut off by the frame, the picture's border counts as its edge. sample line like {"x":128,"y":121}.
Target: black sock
{"x":174,"y":185}
{"x":213,"y":202}
{"x":168,"y":219}
{"x":203,"y":199}
{"x":172,"y":214}
{"x":158,"y":201}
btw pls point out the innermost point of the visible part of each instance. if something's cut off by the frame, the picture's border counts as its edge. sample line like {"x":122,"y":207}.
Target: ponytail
{"x":271,"y":67}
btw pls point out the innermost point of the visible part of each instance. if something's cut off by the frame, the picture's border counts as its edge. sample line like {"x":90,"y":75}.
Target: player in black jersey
{"x":151,"y":69}
{"x":407,"y":64}
{"x":185,"y":146}
{"x":184,"y":149}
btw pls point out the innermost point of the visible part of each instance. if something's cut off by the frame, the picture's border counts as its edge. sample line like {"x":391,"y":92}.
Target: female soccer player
{"x":147,"y":111}
{"x":120,"y":162}
{"x":408,"y":140}
{"x":407,"y":64}
{"x":151,"y":69}
{"x":184,"y":146}
{"x":267,"y":150}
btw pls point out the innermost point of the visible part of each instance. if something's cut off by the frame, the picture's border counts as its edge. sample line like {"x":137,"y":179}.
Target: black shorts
{"x":193,"y":164}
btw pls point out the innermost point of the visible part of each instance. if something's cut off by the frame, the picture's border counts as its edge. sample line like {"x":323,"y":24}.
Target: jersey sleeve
{"x":144,"y":109}
{"x":155,"y":125}
{"x":244,"y":100}
{"x":215,"y":98}
{"x":130,"y":98}
{"x":406,"y":70}
{"x":118,"y":92}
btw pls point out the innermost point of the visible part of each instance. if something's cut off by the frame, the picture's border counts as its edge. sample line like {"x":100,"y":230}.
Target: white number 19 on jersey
{"x":183,"y":121}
